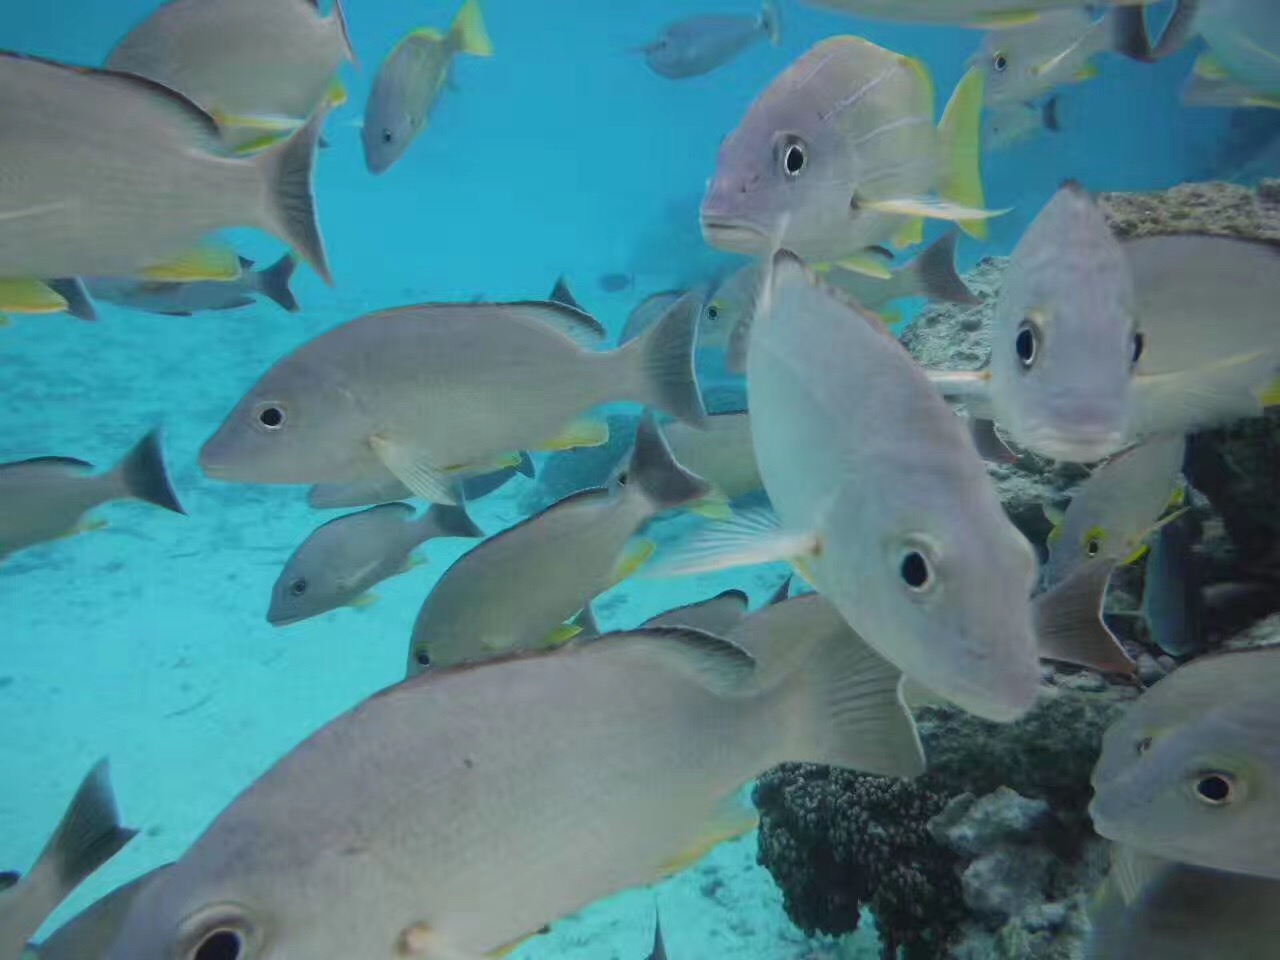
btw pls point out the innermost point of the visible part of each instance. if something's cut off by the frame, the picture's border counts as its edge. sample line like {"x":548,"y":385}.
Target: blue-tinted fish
{"x":184,"y":299}
{"x":698,"y":45}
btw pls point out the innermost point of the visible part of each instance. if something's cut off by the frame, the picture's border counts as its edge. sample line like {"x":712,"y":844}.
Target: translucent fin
{"x":412,"y":468}
{"x":909,"y":234}
{"x":1069,"y":626}
{"x":30,"y":296}
{"x":959,"y":133}
{"x":583,"y":432}
{"x":713,"y":507}
{"x":934,"y":208}
{"x":1133,"y":872}
{"x":215,"y":263}
{"x":468,"y":33}
{"x":867,"y":267}
{"x":750,"y":538}
{"x":635,"y":556}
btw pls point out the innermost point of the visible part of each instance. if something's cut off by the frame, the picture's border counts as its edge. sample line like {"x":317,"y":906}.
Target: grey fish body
{"x":720,"y":453}
{"x":931,"y":273}
{"x":44,"y":499}
{"x":718,"y":615}
{"x":1172,"y":604}
{"x":698,"y":45}
{"x":330,"y":847}
{"x":907,"y":539}
{"x":452,"y":384}
{"x":88,"y":835}
{"x":1190,"y":773}
{"x":184,"y":299}
{"x":958,"y":12}
{"x":89,"y":934}
{"x":240,"y":59}
{"x":515,"y":590}
{"x":103,"y":175}
{"x":346,"y":557}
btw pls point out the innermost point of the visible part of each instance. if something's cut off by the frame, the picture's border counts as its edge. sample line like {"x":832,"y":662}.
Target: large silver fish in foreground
{"x":965,"y":13}
{"x":445,"y":819}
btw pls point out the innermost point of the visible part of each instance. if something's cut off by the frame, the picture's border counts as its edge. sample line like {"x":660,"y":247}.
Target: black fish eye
{"x":387,"y":136}
{"x":219,"y":945}
{"x":793,"y":157}
{"x":1139,"y":342}
{"x":1027,"y":343}
{"x":1092,"y":546}
{"x":914,"y":570}
{"x":713,"y":312}
{"x":622,"y":479}
{"x":271,"y":416}
{"x":999,"y":61}
{"x":1143,"y":745}
{"x":298,"y":587}
{"x":422,"y":659}
{"x":1214,"y":789}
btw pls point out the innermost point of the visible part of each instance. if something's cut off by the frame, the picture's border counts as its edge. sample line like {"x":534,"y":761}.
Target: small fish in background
{"x":698,"y":45}
{"x":88,"y":835}
{"x":1190,"y":771}
{"x":1240,"y":68}
{"x":337,"y":496}
{"x":962,"y":13}
{"x":666,"y":727}
{"x":616,"y":282}
{"x":45,"y":498}
{"x":109,"y":141}
{"x":521,"y":371}
{"x":73,"y":291}
{"x":1026,"y":62}
{"x":1172,"y":588}
{"x":259,"y":69}
{"x":1009,"y":125}
{"x":518,"y":589}
{"x":185,"y":299}
{"x":1171,"y":911}
{"x":89,"y":934}
{"x":1111,"y":513}
{"x":409,"y":82}
{"x":718,"y":615}
{"x":342,"y":560}
{"x":839,"y":154}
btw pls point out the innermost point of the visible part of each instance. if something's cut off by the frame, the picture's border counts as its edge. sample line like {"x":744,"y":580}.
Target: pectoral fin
{"x":412,"y":468}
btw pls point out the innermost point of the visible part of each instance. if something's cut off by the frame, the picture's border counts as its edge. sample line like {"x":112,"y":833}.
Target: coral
{"x":1218,"y":209}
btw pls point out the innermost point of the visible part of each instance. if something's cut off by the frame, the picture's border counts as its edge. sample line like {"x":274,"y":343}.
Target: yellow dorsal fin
{"x":636,"y":554}
{"x":583,"y":432}
{"x":562,"y":634}
{"x":217,"y":263}
{"x":909,"y":234}
{"x":867,"y":267}
{"x":30,"y":296}
{"x":959,"y":133}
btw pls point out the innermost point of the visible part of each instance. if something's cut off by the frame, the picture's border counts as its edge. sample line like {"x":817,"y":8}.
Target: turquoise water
{"x":563,"y":154}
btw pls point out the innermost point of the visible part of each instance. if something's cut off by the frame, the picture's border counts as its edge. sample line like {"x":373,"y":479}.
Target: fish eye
{"x":622,"y":479}
{"x":999,"y":61}
{"x":219,"y":945}
{"x":1139,"y":342}
{"x":713,"y":312}
{"x":422,"y":659}
{"x":1027,"y":343}
{"x":270,"y":416}
{"x":1142,"y":746}
{"x":1093,"y":546}
{"x":914,"y":570}
{"x":387,"y":136}
{"x":1214,"y":789}
{"x":793,"y":156}
{"x":298,"y":587}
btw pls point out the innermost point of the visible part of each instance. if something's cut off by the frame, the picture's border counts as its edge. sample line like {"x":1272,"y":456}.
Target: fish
{"x":45,"y":498}
{"x":666,"y":728}
{"x":907,"y":540}
{"x":384,"y":393}
{"x":659,"y":951}
{"x":1186,"y":913}
{"x":516,"y":590}
{"x":88,"y":835}
{"x":337,"y":496}
{"x":106,"y":175}
{"x":1240,"y":68}
{"x":962,"y":13}
{"x":1172,"y":585}
{"x":720,"y":452}
{"x":616,"y":282}
{"x":647,"y":312}
{"x":1115,"y":509}
{"x":717,"y":615}
{"x":89,"y":934}
{"x":185,"y":299}
{"x":259,"y":69}
{"x":839,"y":154}
{"x":1189,"y":772}
{"x":409,"y":82}
{"x":1026,"y":62}
{"x":343,"y":559}
{"x":698,"y":45}
{"x":1008,"y":125}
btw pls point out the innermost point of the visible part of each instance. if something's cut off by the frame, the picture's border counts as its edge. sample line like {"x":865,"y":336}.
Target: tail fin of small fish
{"x":443,"y":520}
{"x":1069,"y":625}
{"x":771,"y":21}
{"x":935,"y":269}
{"x":87,"y":837}
{"x":664,"y":354}
{"x":468,"y":34}
{"x":654,"y":472}
{"x":291,"y":215}
{"x":338,"y":18}
{"x":960,"y":131}
{"x":72,"y":290}
{"x":142,"y":475}
{"x":273,"y":282}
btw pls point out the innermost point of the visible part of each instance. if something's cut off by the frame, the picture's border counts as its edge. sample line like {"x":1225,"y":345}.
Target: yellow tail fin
{"x":30,"y":296}
{"x":468,"y":32}
{"x":959,"y":133}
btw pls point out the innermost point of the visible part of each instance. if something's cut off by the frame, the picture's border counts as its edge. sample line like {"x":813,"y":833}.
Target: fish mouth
{"x":735,"y":236}
{"x":1087,"y":445}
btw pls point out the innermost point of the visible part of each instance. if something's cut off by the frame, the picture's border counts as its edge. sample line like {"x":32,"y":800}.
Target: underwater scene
{"x":784,"y":480}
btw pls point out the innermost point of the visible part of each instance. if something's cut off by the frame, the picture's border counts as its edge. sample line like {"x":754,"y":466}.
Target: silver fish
{"x":88,"y":835}
{"x":969,"y":13}
{"x":698,"y":45}
{"x":1027,"y":61}
{"x":339,"y":496}
{"x":343,"y":559}
{"x":1190,"y":772}
{"x":717,"y":615}
{"x":420,"y":391}
{"x":104,"y":175}
{"x":260,"y":69}
{"x":516,"y":590}
{"x":410,"y":80}
{"x":45,"y":498}
{"x":839,"y":153}
{"x":1240,"y":68}
{"x":184,"y":299}
{"x":328,"y":849}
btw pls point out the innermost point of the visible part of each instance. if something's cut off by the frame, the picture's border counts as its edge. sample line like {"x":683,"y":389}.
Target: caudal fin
{"x":468,"y":33}
{"x":442,"y":520}
{"x":771,"y":21}
{"x":654,"y":472}
{"x":142,"y":475}
{"x":72,"y":290}
{"x":87,"y":837}
{"x":274,"y":282}
{"x":290,"y":215}
{"x":1069,"y":625}
{"x":959,"y":134}
{"x":935,"y":269}
{"x":660,"y":362}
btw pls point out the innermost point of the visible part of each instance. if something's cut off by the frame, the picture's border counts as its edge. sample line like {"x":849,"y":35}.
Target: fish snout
{"x":1082,"y":431}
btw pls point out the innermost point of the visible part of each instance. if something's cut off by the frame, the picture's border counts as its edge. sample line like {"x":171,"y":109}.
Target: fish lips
{"x":1078,"y":445}
{"x":734,"y":236}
